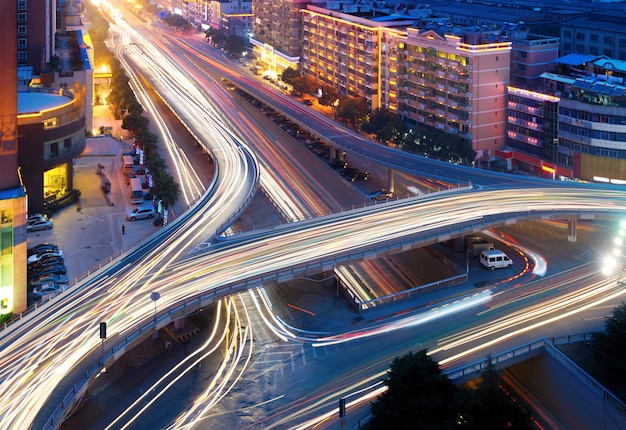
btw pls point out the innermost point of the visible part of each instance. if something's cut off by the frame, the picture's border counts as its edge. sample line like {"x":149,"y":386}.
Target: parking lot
{"x":90,"y":232}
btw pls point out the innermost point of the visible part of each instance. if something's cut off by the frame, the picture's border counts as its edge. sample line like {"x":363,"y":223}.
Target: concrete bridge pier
{"x":571,"y":229}
{"x":391,"y":180}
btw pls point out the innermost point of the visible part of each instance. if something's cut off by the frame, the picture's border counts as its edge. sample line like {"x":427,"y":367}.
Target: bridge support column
{"x":571,"y":229}
{"x":390,"y":180}
{"x":332,"y":152}
{"x":179,"y":323}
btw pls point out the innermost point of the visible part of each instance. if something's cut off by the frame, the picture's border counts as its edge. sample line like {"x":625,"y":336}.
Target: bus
{"x":128,"y":165}
{"x":136,"y":192}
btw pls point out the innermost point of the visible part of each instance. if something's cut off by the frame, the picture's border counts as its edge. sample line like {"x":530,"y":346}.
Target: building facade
{"x":13,"y":212}
{"x":532,"y":55}
{"x":596,"y":34}
{"x":591,"y":124}
{"x":456,"y":84}
{"x":277,"y":33}
{"x":36,"y":26}
{"x":51,"y":126}
{"x":346,"y":52}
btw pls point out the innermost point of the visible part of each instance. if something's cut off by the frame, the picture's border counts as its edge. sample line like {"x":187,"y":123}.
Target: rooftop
{"x":38,"y":101}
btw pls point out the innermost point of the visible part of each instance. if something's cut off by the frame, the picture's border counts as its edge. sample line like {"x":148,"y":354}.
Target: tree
{"x":609,"y":347}
{"x":289,"y":74}
{"x":218,"y":38}
{"x":178,"y":22}
{"x":235,"y":45}
{"x":304,"y":84}
{"x":488,"y":407}
{"x":329,"y":95}
{"x":165,"y":188}
{"x":418,"y":396}
{"x":352,"y":110}
{"x":386,"y":126}
{"x":135,"y":122}
{"x":437,"y":144}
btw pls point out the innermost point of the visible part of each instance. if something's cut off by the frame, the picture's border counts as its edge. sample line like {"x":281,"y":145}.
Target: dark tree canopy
{"x":289,"y":74}
{"x":352,"y":110}
{"x":609,"y":347}
{"x":386,"y":125}
{"x":304,"y":84}
{"x":329,"y":95}
{"x":235,"y":45}
{"x":488,"y":407}
{"x":419,"y":396}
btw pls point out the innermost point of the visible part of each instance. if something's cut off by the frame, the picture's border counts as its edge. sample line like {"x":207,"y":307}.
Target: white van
{"x":494,"y":259}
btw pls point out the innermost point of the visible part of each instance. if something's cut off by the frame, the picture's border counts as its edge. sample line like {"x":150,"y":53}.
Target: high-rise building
{"x":277,"y":33}
{"x":36,"y":26}
{"x":13,"y":200}
{"x":448,"y":78}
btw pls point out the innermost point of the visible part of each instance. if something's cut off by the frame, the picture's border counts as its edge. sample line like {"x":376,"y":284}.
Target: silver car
{"x":42,"y":224}
{"x":143,"y":212}
{"x":47,"y":290}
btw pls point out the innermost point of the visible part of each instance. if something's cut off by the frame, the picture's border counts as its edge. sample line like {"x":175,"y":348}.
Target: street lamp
{"x":154,"y":296}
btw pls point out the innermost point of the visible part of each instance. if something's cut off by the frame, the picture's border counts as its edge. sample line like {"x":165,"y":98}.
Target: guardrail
{"x":547,"y":346}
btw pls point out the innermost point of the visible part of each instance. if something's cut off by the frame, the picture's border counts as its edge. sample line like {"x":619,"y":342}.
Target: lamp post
{"x":154,"y":296}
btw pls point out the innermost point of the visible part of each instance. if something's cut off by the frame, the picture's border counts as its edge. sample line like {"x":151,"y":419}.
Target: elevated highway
{"x":39,"y":353}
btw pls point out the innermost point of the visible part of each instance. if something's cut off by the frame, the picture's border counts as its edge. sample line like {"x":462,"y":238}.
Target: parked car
{"x":307,"y":102}
{"x":338,"y":164}
{"x":42,"y":224}
{"x":49,"y":278}
{"x":36,"y":257}
{"x":47,"y":290}
{"x":55,"y":268}
{"x":143,"y":212}
{"x":42,"y":247}
{"x":36,"y":217}
{"x":381,"y":195}
{"x":46,"y":261}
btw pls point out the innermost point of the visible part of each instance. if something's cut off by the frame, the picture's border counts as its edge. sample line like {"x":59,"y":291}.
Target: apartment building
{"x":590,"y":93}
{"x":599,"y":33}
{"x":13,"y":199}
{"x":277,"y":33}
{"x":232,"y":17}
{"x":36,"y":26}
{"x":456,"y":83}
{"x":531,"y":55}
{"x":347,"y":52}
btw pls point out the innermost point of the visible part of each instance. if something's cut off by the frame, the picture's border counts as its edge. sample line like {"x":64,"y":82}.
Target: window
{"x":50,"y":122}
{"x":580,"y":36}
{"x":21,"y":17}
{"x":593,"y":37}
{"x":21,"y":30}
{"x":21,"y":4}
{"x":21,"y":43}
{"x":21,"y":56}
{"x":67,"y":143}
{"x":608,"y":40}
{"x":54,"y":149}
{"x":567,"y":34}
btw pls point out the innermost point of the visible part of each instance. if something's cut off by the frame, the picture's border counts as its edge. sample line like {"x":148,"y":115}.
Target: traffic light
{"x":103,"y":330}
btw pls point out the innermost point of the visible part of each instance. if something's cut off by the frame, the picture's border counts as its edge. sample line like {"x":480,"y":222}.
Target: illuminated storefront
{"x":51,"y":126}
